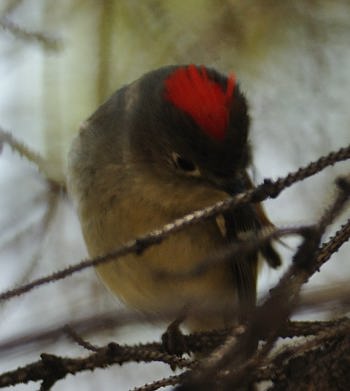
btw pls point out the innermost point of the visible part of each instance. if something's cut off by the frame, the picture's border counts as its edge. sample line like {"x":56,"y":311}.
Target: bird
{"x":173,"y":141}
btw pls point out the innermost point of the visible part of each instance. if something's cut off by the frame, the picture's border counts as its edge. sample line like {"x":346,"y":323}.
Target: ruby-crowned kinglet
{"x":172,"y":142}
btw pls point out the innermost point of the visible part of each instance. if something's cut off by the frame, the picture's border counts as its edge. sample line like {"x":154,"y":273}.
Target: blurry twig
{"x":78,"y":339}
{"x":32,"y":156}
{"x":47,"y":42}
{"x":267,"y":189}
{"x":22,"y":149}
{"x":196,"y":342}
{"x":85,"y":326}
{"x":53,"y":199}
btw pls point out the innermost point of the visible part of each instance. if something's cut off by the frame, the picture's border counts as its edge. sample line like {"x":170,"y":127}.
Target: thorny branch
{"x":267,"y":189}
{"x":235,"y":361}
{"x":167,"y":381}
{"x":238,"y":356}
{"x":197,"y":342}
{"x":302,"y":367}
{"x":51,"y":368}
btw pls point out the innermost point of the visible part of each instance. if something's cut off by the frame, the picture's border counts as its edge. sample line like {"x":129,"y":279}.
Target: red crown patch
{"x":192,"y":91}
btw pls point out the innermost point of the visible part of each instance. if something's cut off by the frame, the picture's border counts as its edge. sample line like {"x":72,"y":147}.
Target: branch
{"x":32,"y":156}
{"x":50,"y":368}
{"x":238,"y":355}
{"x":267,"y":189}
{"x":167,"y":381}
{"x":53,"y":368}
{"x":47,"y":42}
{"x":302,"y":366}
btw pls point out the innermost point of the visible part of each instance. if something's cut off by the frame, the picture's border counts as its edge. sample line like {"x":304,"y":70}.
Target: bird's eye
{"x":184,"y":164}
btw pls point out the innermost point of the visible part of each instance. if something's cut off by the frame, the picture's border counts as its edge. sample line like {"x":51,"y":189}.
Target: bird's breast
{"x":161,"y":278}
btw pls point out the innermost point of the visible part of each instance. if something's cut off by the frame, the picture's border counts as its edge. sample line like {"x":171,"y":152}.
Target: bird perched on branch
{"x":173,"y":141}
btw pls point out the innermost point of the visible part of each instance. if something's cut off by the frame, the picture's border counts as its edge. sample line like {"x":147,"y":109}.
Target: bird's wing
{"x":244,"y":268}
{"x":250,"y":218}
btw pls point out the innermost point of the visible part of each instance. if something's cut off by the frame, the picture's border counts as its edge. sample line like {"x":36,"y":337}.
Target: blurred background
{"x":60,"y":60}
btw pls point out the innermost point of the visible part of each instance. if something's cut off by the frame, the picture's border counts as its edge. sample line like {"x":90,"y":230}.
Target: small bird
{"x":173,"y":141}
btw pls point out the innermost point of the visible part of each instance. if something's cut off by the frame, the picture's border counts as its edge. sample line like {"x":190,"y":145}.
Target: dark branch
{"x":263,"y":191}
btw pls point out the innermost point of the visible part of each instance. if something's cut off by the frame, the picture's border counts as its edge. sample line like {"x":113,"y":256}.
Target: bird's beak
{"x":230,"y":185}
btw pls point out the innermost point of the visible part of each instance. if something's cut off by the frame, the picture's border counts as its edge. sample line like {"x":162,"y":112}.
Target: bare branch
{"x":31,"y":156}
{"x":267,"y":189}
{"x":52,"y":368}
{"x":167,"y":381}
{"x":79,"y":340}
{"x":268,"y":318}
{"x":22,"y":149}
{"x":46,"y":41}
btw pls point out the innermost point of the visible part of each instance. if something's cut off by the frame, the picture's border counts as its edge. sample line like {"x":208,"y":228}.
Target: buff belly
{"x":156,"y":281}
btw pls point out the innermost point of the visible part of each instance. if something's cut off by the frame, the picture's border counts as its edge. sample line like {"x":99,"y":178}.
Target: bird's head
{"x":189,"y":126}
{"x":179,"y":135}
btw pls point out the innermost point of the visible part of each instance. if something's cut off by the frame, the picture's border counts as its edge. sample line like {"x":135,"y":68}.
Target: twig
{"x":32,"y":156}
{"x":167,"y":381}
{"x":196,"y":342}
{"x":47,"y":42}
{"x":116,"y":354}
{"x":79,"y":340}
{"x":267,"y":189}
{"x":333,"y":245}
{"x":270,"y":315}
{"x":251,"y":242}
{"x":52,"y":204}
{"x":22,"y":149}
{"x":302,"y":366}
{"x":52,"y":368}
